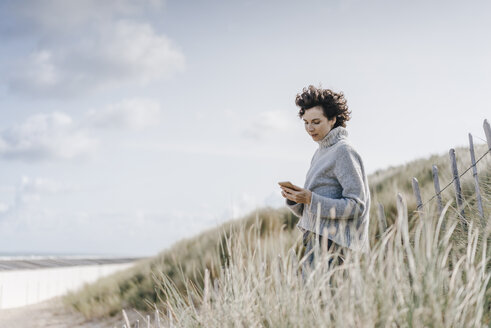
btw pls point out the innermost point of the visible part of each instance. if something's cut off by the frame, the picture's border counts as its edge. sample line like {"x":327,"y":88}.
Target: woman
{"x":336,"y":187}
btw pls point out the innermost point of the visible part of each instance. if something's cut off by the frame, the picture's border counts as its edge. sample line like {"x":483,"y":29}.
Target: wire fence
{"x":453,"y":180}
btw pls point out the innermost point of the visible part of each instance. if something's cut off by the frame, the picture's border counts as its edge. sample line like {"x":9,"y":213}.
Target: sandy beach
{"x":31,"y":289}
{"x":25,"y":282}
{"x":51,"y":314}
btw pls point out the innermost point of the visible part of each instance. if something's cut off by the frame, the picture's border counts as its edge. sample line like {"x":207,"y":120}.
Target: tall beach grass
{"x":430,"y":272}
{"x":421,"y":276}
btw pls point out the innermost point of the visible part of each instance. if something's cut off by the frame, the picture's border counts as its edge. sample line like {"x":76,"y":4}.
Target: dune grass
{"x":233,"y":271}
{"x":419,"y":277}
{"x":183,"y":262}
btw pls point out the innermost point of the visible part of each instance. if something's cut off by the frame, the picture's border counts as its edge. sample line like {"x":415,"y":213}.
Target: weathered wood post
{"x":436,"y":183}
{"x":487,"y":131}
{"x":382,"y":222}
{"x":417,"y":194}
{"x":476,"y":180}
{"x":458,"y":189}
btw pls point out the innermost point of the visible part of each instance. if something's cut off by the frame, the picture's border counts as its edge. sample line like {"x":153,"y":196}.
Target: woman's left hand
{"x":298,"y":195}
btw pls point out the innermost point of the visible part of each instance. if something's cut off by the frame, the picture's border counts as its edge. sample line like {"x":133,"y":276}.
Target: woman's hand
{"x":298,"y":195}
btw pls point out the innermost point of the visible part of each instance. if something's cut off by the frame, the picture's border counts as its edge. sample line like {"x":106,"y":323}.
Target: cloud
{"x":46,"y":136}
{"x":30,"y":191}
{"x":42,"y":185}
{"x":27,"y":212}
{"x":59,"y":16}
{"x":28,"y":194}
{"x":86,"y":46}
{"x":134,"y":114}
{"x":269,"y":123}
{"x":57,"y":136}
{"x":107,"y":56}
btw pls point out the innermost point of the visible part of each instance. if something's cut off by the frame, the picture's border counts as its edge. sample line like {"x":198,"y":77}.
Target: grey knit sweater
{"x":339,"y":189}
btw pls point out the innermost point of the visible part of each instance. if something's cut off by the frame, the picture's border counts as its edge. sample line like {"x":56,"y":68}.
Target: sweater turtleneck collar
{"x":333,"y":136}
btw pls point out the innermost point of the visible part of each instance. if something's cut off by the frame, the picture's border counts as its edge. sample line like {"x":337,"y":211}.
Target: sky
{"x":128,"y":125}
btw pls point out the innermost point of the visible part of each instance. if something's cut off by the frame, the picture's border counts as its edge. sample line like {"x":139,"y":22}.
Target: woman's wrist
{"x":290,"y":202}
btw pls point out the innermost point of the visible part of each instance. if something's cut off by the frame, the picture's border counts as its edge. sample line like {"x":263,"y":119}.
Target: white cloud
{"x":57,"y":16}
{"x":40,"y":72}
{"x":31,"y":190}
{"x":57,"y":136}
{"x":46,"y":136}
{"x":135,"y":114}
{"x":27,"y":199}
{"x":42,"y":185}
{"x":87,"y":46}
{"x":270,"y":123}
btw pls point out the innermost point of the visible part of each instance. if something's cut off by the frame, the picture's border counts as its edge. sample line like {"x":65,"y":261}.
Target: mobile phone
{"x":287,"y":184}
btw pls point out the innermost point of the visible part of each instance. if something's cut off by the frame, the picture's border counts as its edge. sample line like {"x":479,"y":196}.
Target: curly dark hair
{"x":333,"y":104}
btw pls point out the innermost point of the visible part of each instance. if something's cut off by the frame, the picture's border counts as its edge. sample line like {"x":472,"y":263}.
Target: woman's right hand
{"x":297,"y":195}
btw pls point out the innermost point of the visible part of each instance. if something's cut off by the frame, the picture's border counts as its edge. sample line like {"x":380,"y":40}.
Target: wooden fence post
{"x":476,"y":179}
{"x":382,"y":222}
{"x":458,"y":189}
{"x":417,"y":194}
{"x":487,"y":131}
{"x":438,"y":193}
{"x":436,"y":182}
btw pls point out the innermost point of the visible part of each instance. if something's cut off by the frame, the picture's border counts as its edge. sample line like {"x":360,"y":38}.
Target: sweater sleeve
{"x":349,"y":172}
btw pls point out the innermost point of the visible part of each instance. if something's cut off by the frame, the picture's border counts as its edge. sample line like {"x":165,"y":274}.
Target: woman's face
{"x":316,"y":124}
